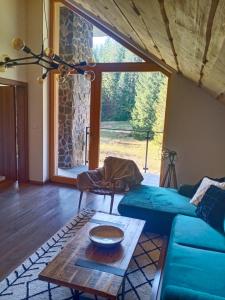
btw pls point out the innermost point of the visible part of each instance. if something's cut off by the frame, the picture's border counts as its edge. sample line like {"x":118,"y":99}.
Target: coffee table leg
{"x":77,"y":295}
{"x":123,"y":288}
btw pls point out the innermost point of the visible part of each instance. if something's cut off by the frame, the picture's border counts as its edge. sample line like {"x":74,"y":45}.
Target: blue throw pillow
{"x":189,"y":190}
{"x":212,"y":207}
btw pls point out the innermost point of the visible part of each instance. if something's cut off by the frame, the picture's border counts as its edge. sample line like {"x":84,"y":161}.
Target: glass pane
{"x":132,"y":119}
{"x":107,"y":50}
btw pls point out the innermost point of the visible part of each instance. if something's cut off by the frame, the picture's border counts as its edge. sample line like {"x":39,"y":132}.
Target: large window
{"x":90,"y":120}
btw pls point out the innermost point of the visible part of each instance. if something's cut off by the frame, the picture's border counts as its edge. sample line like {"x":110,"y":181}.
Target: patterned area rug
{"x":23,"y":283}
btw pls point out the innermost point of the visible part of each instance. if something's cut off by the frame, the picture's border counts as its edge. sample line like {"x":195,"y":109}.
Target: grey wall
{"x":195,"y":128}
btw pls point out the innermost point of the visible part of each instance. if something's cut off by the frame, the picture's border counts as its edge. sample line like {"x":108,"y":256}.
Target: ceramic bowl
{"x":106,"y":235}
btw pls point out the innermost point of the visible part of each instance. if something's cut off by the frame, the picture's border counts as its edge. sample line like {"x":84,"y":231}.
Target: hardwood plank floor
{"x":30,"y":214}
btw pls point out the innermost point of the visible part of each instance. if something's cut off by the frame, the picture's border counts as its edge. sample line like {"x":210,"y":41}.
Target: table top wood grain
{"x":85,"y":267}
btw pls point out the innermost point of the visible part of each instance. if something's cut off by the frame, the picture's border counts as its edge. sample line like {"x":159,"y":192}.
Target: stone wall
{"x":75,"y":44}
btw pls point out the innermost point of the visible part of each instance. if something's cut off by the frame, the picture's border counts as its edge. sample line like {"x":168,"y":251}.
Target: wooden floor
{"x":31,"y":214}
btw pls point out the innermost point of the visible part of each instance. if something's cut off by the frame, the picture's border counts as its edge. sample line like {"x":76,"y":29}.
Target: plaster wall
{"x":24,"y":19}
{"x":195,"y":124}
{"x":12,"y":24}
{"x":38,"y":95}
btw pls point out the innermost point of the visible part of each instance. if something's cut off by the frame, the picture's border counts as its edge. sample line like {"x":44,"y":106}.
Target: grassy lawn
{"x":122,"y":144}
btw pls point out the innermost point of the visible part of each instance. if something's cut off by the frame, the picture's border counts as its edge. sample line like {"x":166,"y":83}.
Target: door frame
{"x":23,"y":164}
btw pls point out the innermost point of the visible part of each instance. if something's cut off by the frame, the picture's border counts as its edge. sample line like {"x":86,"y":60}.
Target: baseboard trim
{"x":38,"y":182}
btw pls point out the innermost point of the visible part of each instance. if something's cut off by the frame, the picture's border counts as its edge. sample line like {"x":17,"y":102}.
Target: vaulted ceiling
{"x":186,"y":35}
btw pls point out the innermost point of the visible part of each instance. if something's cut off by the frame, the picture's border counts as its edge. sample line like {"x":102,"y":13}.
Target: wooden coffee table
{"x":85,"y":267}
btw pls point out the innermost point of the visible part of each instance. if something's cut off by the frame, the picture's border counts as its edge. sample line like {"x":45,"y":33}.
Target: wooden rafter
{"x":114,"y":33}
{"x":170,"y":38}
{"x":213,"y":8}
{"x":156,"y":40}
{"x":136,"y":10}
{"x":214,"y":69}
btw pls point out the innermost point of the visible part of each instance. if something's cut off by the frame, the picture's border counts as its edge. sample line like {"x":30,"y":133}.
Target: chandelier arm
{"x":40,"y":57}
{"x":47,"y":68}
{"x":18,"y":59}
{"x":57,"y":59}
{"x":45,"y":59}
{"x":79,"y":71}
{"x":22,"y":64}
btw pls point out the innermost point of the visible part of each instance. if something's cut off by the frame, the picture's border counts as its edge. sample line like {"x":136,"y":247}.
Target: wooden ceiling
{"x":186,"y":35}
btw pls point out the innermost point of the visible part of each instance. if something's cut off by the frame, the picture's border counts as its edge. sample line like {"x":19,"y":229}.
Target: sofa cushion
{"x":198,"y":270}
{"x":173,"y":292}
{"x":157,"y":205}
{"x":194,"y":232}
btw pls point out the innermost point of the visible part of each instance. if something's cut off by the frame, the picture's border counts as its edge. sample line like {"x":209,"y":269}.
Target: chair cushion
{"x":157,"y":205}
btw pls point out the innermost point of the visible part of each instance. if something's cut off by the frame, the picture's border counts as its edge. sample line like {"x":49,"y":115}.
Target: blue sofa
{"x":157,"y":206}
{"x":194,"y":266}
{"x":195,"y":262}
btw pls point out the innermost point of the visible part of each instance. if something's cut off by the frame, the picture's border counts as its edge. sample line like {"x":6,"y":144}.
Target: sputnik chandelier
{"x":48,"y":60}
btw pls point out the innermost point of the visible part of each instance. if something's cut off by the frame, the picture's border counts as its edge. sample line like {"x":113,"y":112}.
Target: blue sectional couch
{"x":194,"y":266}
{"x":157,"y":206}
{"x":195,"y":262}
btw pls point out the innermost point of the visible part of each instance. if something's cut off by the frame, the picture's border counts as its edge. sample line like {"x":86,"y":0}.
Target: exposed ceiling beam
{"x":136,"y":10}
{"x":213,"y":8}
{"x":170,"y":38}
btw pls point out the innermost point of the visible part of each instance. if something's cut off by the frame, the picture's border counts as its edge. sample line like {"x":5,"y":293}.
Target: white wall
{"x":195,"y":126}
{"x":12,"y":24}
{"x":38,"y":97}
{"x":46,"y":100}
{"x":24,"y":18}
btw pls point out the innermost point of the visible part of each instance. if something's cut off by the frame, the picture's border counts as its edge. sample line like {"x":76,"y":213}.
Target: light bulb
{"x":49,"y":52}
{"x":91,"y":62}
{"x":62,"y":79}
{"x":64,"y":70}
{"x":5,"y":57}
{"x":18,"y":44}
{"x":40,"y":80}
{"x":89,"y":75}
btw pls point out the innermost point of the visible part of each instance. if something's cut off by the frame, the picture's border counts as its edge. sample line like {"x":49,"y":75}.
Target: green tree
{"x":118,"y":89}
{"x":160,"y":112}
{"x":126,"y":96}
{"x":143,"y":116}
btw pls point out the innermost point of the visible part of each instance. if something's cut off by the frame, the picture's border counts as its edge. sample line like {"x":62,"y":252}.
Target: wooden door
{"x":22,"y":132}
{"x":8,"y":161}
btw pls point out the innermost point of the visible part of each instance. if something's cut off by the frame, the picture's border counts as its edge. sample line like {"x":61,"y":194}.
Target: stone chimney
{"x":75,"y":44}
